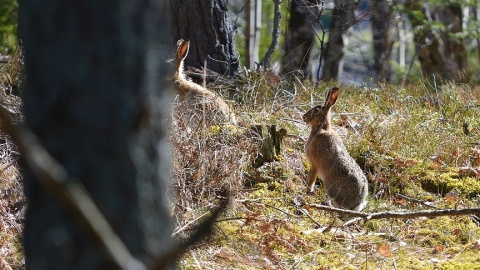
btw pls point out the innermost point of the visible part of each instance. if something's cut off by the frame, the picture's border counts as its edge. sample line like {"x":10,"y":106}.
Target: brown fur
{"x":343,"y":179}
{"x":198,"y":99}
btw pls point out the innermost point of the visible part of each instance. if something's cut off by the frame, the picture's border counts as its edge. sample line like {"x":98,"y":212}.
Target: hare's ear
{"x":331,"y":97}
{"x":182,"y":48}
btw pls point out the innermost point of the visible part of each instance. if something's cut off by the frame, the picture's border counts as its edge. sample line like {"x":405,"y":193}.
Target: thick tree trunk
{"x":298,"y":40}
{"x":208,"y":27}
{"x":97,"y":98}
{"x":343,"y":18}
{"x":439,"y":53}
{"x":382,"y":43}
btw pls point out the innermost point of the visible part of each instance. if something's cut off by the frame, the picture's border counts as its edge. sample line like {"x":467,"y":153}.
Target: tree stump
{"x":271,"y":139}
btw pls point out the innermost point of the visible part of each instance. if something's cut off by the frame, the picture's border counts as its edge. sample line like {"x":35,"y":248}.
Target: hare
{"x":196,"y":97}
{"x":343,"y":180}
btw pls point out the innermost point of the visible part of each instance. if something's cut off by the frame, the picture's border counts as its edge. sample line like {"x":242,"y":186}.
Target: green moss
{"x":306,"y":164}
{"x":222,"y":129}
{"x":448,"y":180}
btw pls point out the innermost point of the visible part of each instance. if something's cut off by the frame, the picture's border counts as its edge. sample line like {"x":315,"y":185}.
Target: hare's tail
{"x":361,"y":206}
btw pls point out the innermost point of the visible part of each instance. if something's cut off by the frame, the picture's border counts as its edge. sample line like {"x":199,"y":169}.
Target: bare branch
{"x":275,"y":34}
{"x":404,"y":80}
{"x":401,"y":215}
{"x":203,"y":230}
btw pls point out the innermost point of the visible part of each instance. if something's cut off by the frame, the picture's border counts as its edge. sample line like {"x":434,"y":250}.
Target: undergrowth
{"x":418,"y":145}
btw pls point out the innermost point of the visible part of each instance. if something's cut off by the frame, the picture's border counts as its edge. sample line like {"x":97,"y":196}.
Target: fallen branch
{"x":416,"y":201}
{"x":401,"y":215}
{"x":305,"y":212}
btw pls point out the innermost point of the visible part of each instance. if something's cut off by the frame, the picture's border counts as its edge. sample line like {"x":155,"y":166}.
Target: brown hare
{"x":343,"y":180}
{"x":198,"y":99}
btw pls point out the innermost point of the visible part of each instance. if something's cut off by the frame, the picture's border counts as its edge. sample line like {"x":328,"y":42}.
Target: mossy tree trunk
{"x":96,"y":97}
{"x":208,"y":26}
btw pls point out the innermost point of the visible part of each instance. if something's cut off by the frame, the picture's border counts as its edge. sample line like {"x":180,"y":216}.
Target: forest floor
{"x":419,"y":146}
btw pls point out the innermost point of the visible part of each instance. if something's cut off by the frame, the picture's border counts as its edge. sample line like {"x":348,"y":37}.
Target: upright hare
{"x":198,"y":99}
{"x":343,"y":179}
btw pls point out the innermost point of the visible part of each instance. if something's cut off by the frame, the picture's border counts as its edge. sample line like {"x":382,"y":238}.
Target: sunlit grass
{"x":410,"y":141}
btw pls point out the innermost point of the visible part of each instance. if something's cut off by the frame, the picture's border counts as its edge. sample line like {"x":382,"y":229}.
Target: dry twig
{"x":401,"y":215}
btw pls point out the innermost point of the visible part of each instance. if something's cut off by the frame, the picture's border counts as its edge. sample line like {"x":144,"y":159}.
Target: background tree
{"x":299,"y":38}
{"x":438,"y":37}
{"x":97,"y":98}
{"x":382,"y":42}
{"x":8,"y":27}
{"x":208,"y":27}
{"x":254,"y":24}
{"x":343,"y":18}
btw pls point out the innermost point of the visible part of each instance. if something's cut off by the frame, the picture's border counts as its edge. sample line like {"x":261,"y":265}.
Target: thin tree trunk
{"x":96,"y":97}
{"x":476,"y":9}
{"x":343,"y":18}
{"x":254,"y":24}
{"x":382,"y":43}
{"x":208,"y":27}
{"x":402,"y":47}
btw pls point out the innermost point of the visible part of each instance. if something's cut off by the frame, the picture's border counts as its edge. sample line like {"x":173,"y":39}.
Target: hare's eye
{"x":316,"y":111}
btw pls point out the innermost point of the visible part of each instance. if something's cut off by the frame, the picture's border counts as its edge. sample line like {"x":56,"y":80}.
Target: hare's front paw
{"x":311,"y":191}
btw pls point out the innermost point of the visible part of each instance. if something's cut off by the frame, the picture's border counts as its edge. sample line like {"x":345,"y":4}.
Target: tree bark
{"x":343,"y":18}
{"x":208,"y":27}
{"x":299,"y":39}
{"x":382,"y":43}
{"x":96,"y":96}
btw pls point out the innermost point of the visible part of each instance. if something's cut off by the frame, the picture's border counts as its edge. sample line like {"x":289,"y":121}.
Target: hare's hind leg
{"x":312,"y":177}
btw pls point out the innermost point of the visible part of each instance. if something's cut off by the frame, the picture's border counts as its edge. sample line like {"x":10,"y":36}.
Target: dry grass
{"x":12,"y":200}
{"x":410,"y":142}
{"x":12,"y":204}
